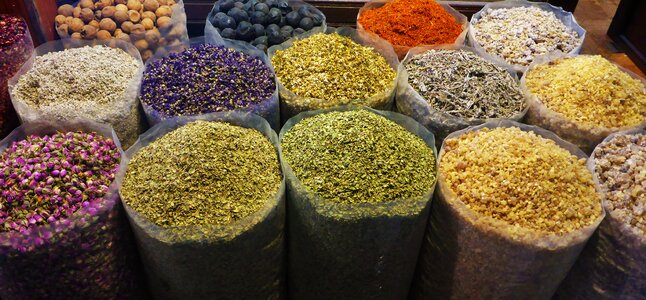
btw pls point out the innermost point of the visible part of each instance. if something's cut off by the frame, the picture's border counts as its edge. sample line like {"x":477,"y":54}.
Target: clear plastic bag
{"x":411,"y":103}
{"x":583,"y":136}
{"x":268,"y":109}
{"x":244,"y":260}
{"x":343,"y":251}
{"x":400,"y":50}
{"x":611,"y":265}
{"x":149,"y":44}
{"x":90,"y":255}
{"x":566,"y":17}
{"x":11,"y":59}
{"x":125,"y":117}
{"x":469,"y":256}
{"x":213,"y":35}
{"x":292,"y":104}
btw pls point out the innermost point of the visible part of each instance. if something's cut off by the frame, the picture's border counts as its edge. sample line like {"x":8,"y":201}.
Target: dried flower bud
{"x":164,"y":11}
{"x":66,"y":10}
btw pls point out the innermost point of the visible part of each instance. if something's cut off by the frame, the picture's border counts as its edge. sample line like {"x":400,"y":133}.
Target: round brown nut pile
{"x":145,"y":23}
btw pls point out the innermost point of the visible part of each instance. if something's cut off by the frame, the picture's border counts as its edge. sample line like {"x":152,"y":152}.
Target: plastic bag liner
{"x":292,"y":104}
{"x":611,"y":265}
{"x":566,"y":17}
{"x":123,"y":113}
{"x":584,"y":136}
{"x":470,"y":256}
{"x":243,"y":260}
{"x":411,"y":103}
{"x":268,"y":109}
{"x":11,"y":59}
{"x":170,"y":35}
{"x":90,"y":255}
{"x":361,"y":251}
{"x":213,"y":35}
{"x":403,"y":50}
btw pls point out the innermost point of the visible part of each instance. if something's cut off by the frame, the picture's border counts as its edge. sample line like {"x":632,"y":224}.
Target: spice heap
{"x":263,"y":23}
{"x":205,"y":78}
{"x":204,"y":173}
{"x":358,"y":157}
{"x":558,"y":197}
{"x":89,"y":82}
{"x":147,"y":24}
{"x":520,"y":34}
{"x":620,"y":164}
{"x":589,"y":90}
{"x":333,"y":68}
{"x":464,"y":85}
{"x":411,"y":23}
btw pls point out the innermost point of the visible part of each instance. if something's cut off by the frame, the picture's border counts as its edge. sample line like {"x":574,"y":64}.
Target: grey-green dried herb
{"x":464,"y":85}
{"x":204,"y":173}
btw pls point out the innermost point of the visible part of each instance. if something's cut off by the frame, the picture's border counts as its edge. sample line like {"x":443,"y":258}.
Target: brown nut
{"x":148,"y":24}
{"x":151,"y":5}
{"x":141,"y":45}
{"x":76,"y":35}
{"x":163,"y":22}
{"x":108,"y":11}
{"x":87,"y":15}
{"x":162,"y":42}
{"x":77,"y":12}
{"x":108,"y":24}
{"x":89,"y":32}
{"x":117,"y":2}
{"x":137,"y":31}
{"x":94,"y":23}
{"x":77,"y":25}
{"x":86,"y":4}
{"x":63,"y":30}
{"x":124,"y":37}
{"x":66,"y":10}
{"x":146,"y":55}
{"x":127,"y":26}
{"x":117,"y":32}
{"x":164,"y":11}
{"x":103,"y":35}
{"x":121,"y":16}
{"x":121,"y":7}
{"x":68,"y":21}
{"x":134,"y":5}
{"x":98,"y":14}
{"x":150,"y":15}
{"x":162,"y":2}
{"x":101,"y":4}
{"x":171,"y":3}
{"x":60,"y":20}
{"x":153,"y":36}
{"x":134,"y":16}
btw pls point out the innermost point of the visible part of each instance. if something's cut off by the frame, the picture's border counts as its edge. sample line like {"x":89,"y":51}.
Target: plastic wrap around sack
{"x":243,"y":260}
{"x":169,"y":36}
{"x":412,"y":104}
{"x":11,"y":59}
{"x":289,"y":101}
{"x":566,"y":17}
{"x":268,"y":109}
{"x":90,"y":255}
{"x":401,"y":50}
{"x":213,"y":36}
{"x":470,"y":256}
{"x":125,"y":120}
{"x":611,"y":265}
{"x":584,"y":136}
{"x":346,"y":251}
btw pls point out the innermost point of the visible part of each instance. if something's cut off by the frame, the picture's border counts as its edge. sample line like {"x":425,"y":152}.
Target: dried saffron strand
{"x":411,"y":23}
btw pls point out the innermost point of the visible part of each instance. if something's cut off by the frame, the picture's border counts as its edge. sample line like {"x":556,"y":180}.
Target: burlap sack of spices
{"x":611,"y":265}
{"x":469,"y":255}
{"x":88,"y":255}
{"x":121,"y":110}
{"x":411,"y":103}
{"x":241,"y":260}
{"x":268,"y":108}
{"x":353,"y":251}
{"x":292,"y":104}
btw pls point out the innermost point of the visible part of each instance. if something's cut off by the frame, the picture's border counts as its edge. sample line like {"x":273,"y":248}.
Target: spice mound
{"x":333,"y":68}
{"x":520,"y":34}
{"x":589,"y":90}
{"x":203,"y":173}
{"x":12,"y":30}
{"x":411,"y":23}
{"x":521,"y":179}
{"x":358,"y":157}
{"x":205,"y":78}
{"x":464,"y":85}
{"x":49,"y":178}
{"x":620,"y":165}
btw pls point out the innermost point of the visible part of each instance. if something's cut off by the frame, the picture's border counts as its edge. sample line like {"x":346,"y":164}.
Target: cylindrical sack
{"x":468,"y":255}
{"x":564,"y":16}
{"x":213,"y":32}
{"x":124,"y":118}
{"x":292,"y":104}
{"x":243,"y":260}
{"x":613,"y":264}
{"x":584,"y":136}
{"x":411,"y":103}
{"x":360,"y":251}
{"x":268,"y":108}
{"x":401,"y":50}
{"x":12,"y":56}
{"x":151,"y":27}
{"x":89,"y":255}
